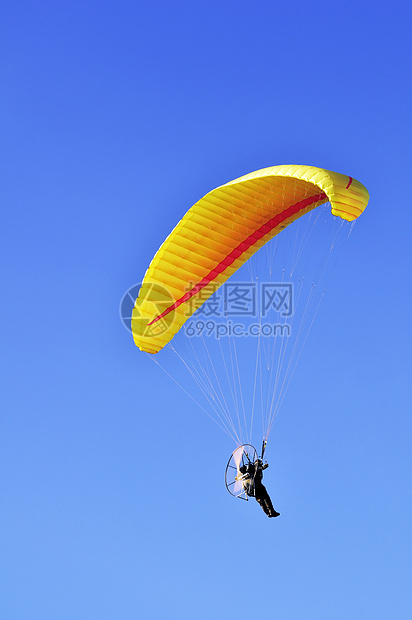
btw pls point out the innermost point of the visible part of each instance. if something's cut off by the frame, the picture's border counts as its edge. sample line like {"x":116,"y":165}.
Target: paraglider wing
{"x":221,"y":232}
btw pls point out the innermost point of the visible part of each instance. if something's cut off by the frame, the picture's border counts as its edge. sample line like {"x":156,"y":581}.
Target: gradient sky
{"x":115,"y":119}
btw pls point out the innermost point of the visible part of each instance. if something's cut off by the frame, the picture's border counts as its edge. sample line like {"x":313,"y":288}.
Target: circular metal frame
{"x":243,"y":455}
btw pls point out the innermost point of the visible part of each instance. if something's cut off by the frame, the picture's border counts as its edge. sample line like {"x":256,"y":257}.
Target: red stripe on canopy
{"x":241,"y":248}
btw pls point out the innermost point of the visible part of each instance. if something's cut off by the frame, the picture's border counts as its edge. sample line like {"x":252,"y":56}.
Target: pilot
{"x":252,"y":484}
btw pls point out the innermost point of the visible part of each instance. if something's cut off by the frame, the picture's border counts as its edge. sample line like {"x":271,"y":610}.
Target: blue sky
{"x":116,"y":118}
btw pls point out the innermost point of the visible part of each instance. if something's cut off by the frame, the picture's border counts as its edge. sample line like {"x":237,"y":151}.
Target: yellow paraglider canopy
{"x":222,"y":231}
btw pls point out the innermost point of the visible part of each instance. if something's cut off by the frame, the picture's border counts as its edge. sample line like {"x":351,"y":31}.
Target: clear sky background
{"x":115,"y":118}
